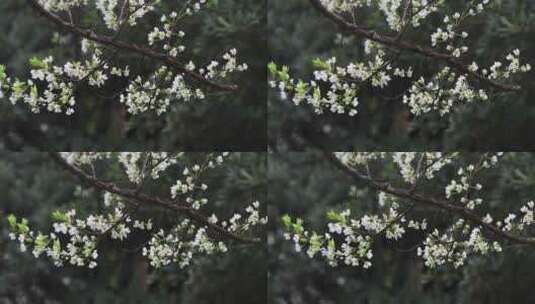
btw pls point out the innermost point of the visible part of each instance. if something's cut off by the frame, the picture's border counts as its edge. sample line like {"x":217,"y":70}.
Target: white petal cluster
{"x":135,"y":10}
{"x":60,"y":82}
{"x":411,"y":165}
{"x":74,"y":240}
{"x":453,"y":81}
{"x":62,"y":5}
{"x":455,"y":245}
{"x":464,"y":187}
{"x":166,"y":86}
{"x":168,"y":32}
{"x":442,"y":93}
{"x":189,"y":189}
{"x":518,"y":222}
{"x":83,"y":158}
{"x":349,"y":241}
{"x":392,"y":9}
{"x":187,"y":240}
{"x":336,"y":89}
{"x":145,"y":95}
{"x":457,"y":237}
{"x":452,"y":37}
{"x":180,"y":245}
{"x":243,"y":222}
{"x":53,"y":87}
{"x":359,"y":158}
{"x":135,"y":166}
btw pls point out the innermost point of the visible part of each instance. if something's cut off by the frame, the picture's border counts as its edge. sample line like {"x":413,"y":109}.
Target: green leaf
{"x":315,"y":242}
{"x":283,"y":74}
{"x":33,"y":92}
{"x":3,"y":75}
{"x":301,"y":88}
{"x":316,"y":94}
{"x":56,"y":246}
{"x":37,"y":63}
{"x":331,"y":245}
{"x":287,"y":221}
{"x":336,"y":217}
{"x":298,"y":226}
{"x":41,"y":241}
{"x":320,"y":64}
{"x":59,"y":216}
{"x":22,"y":227}
{"x":272,"y":68}
{"x":19,"y":87}
{"x":12,"y":220}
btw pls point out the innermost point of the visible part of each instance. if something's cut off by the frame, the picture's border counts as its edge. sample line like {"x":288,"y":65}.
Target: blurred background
{"x":33,"y":186}
{"x":305,"y":185}
{"x":298,"y":34}
{"x":101,"y":123}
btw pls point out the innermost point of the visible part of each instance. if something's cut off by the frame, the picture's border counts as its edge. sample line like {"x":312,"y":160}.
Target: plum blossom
{"x":74,"y":238}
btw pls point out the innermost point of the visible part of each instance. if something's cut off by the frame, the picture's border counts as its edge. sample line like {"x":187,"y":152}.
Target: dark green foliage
{"x":33,"y":186}
{"x":298,"y":34}
{"x":305,"y":185}
{"x":101,"y":122}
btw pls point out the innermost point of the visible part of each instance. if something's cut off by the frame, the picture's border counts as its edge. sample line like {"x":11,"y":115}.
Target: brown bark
{"x":402,"y":45}
{"x":151,"y":201}
{"x":423,"y":200}
{"x":133,"y":48}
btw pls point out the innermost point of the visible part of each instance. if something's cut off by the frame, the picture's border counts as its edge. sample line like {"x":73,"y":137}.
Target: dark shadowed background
{"x":304,"y":184}
{"x":222,"y":121}
{"x":33,"y":186}
{"x":298,"y":34}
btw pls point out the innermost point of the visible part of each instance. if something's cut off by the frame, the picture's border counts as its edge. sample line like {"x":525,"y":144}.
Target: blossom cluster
{"x":186,"y":240}
{"x":53,"y":87}
{"x":165,"y":85}
{"x":59,"y":94}
{"x":189,"y":187}
{"x":130,"y":11}
{"x":338,"y":89}
{"x":392,"y":10}
{"x":445,"y":248}
{"x":464,"y":187}
{"x":350,"y":240}
{"x":168,"y":32}
{"x":74,"y":239}
{"x":412,"y":166}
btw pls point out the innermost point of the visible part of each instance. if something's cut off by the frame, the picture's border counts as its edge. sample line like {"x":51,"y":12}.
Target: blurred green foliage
{"x":33,"y":186}
{"x":101,"y":123}
{"x":298,"y":34}
{"x":304,"y":184}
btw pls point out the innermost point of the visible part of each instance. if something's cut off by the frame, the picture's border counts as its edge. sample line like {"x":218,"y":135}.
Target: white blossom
{"x":337,"y":88}
{"x":74,"y":238}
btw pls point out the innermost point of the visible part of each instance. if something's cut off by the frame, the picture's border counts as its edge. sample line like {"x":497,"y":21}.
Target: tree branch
{"x":147,"y":200}
{"x":408,"y":46}
{"x":133,"y":48}
{"x":427,"y":201}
